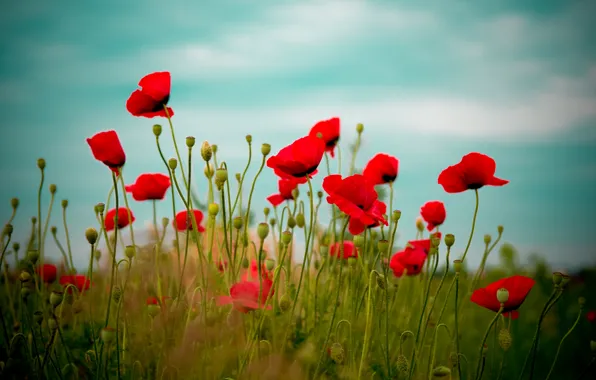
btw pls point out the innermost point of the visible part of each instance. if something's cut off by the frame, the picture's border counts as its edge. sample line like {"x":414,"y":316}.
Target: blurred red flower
{"x":182,"y":222}
{"x":286,"y":186}
{"x":356,"y":197}
{"x":381,"y":169}
{"x":81,"y":282}
{"x":410,"y":260}
{"x":349,"y":250}
{"x":149,"y":101}
{"x":123,"y":218}
{"x":433,"y":213}
{"x":245,"y":296}
{"x":423,"y":244}
{"x":518,"y":286}
{"x":591,"y":316}
{"x":474,"y":171}
{"x":329,"y":130}
{"x":47,"y":273}
{"x":106,"y":148}
{"x":299,"y":159}
{"x":149,"y":186}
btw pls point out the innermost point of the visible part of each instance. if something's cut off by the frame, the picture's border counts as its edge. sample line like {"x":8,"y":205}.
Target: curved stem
{"x":473,"y":226}
{"x":186,"y":183}
{"x":552,"y":367}
{"x":480,"y":365}
{"x":368,"y":322}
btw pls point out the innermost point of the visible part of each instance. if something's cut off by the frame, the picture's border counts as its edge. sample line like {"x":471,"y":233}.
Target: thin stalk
{"x":552,"y":367}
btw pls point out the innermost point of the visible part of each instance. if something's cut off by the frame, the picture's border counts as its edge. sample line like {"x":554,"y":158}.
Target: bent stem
{"x":552,"y":367}
{"x":480,"y":366}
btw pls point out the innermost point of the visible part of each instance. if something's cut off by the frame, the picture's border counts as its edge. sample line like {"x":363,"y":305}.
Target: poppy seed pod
{"x":206,"y":151}
{"x":157,"y":130}
{"x":221,"y":175}
{"x":557,"y":278}
{"x":500,"y":230}
{"x":16,"y":246}
{"x":457,"y":266}
{"x":214,"y":148}
{"x":165,"y":221}
{"x":248,"y":138}
{"x":213,"y":209}
{"x":91,"y":235}
{"x":435,"y":240}
{"x":395,"y":216}
{"x":130,"y":251}
{"x":359,"y":128}
{"x":14,"y":202}
{"x":487,"y":239}
{"x":266,"y":211}
{"x":41,"y":163}
{"x":503,"y":295}
{"x":8,"y":229}
{"x":237,"y":222}
{"x":100,"y":208}
{"x":319,"y":194}
{"x":449,"y":240}
{"x":272,"y":222}
{"x":53,"y":189}
{"x":286,"y":237}
{"x":263,"y":230}
{"x":300,"y":220}
{"x":269,"y":264}
{"x":190,"y":141}
{"x":56,"y":298}
{"x":25,"y":276}
{"x":291,"y":222}
{"x":173,"y":163}
{"x":33,"y":220}
{"x":64,"y":203}
{"x":265,"y":149}
{"x":33,"y":256}
{"x":53,"y":230}
{"x":565,"y":280}
{"x":383,"y":246}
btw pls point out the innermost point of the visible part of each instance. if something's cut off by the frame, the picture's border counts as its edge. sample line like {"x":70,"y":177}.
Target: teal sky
{"x":431,"y":81}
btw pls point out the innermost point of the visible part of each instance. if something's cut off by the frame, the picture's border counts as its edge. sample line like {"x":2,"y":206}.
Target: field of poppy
{"x":235,"y":299}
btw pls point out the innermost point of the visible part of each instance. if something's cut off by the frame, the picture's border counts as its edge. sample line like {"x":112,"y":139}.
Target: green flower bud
{"x":291,"y":222}
{"x":265,"y":149}
{"x":25,"y":276}
{"x":173,"y":163}
{"x":286,"y":237}
{"x":157,"y":130}
{"x":41,"y":163}
{"x":359,"y":128}
{"x":165,"y":221}
{"x":245,"y":263}
{"x":52,"y":323}
{"x":319,"y":194}
{"x":383,"y":246}
{"x":130,"y":251}
{"x":208,"y":171}
{"x":263,"y":230}
{"x":237,"y":222}
{"x":214,"y":148}
{"x":190,"y":141}
{"x":64,"y":203}
{"x":457,"y":266}
{"x":213,"y":209}
{"x":395,"y":216}
{"x":358,"y":241}
{"x":56,"y":298}
{"x":269,"y":264}
{"x":14,"y":202}
{"x":206,"y":151}
{"x":266,"y":212}
{"x":53,"y":230}
{"x":285,"y":303}
{"x":33,"y":220}
{"x":441,"y":371}
{"x":221,"y":175}
{"x":91,"y":235}
{"x":272,"y":222}
{"x":33,"y":256}
{"x":300,"y":220}
{"x":249,"y":139}
{"x":500,"y":230}
{"x":449,"y":240}
{"x":53,"y":189}
{"x":505,"y":339}
{"x":487,"y":239}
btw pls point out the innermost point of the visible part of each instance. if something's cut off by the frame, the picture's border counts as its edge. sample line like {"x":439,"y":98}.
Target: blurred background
{"x":430,"y":82}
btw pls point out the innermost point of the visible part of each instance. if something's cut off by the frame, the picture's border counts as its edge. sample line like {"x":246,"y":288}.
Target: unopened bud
{"x":265,"y":149}
{"x":238,"y":177}
{"x":487,"y":239}
{"x":263,"y":230}
{"x":237,"y":222}
{"x":337,"y":353}
{"x":214,"y":148}
{"x":213,"y":209}
{"x":25,"y":276}
{"x":419,"y":224}
{"x":91,"y":235}
{"x":300,"y":220}
{"x":269,"y":264}
{"x":359,"y":128}
{"x":285,"y":303}
{"x":190,"y":141}
{"x":441,"y":371}
{"x":449,"y":240}
{"x":248,"y":138}
{"x":56,"y":298}
{"x":286,"y":237}
{"x":41,"y":163}
{"x":221,"y":175}
{"x":130,"y":251}
{"x":16,"y":246}
{"x":500,"y":230}
{"x":173,"y":163}
{"x":324,"y":250}
{"x":206,"y":151}
{"x":291,"y":222}
{"x":52,"y":324}
{"x":64,"y":203}
{"x":33,"y":220}
{"x":266,"y":212}
{"x":245,"y":263}
{"x":358,"y":241}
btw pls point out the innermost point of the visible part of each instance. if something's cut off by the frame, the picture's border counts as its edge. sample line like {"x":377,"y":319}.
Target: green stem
{"x":186,"y":183}
{"x":561,"y":343}
{"x":473,"y":226}
{"x":368,"y":322}
{"x":480,"y":365}
{"x":456,"y":335}
{"x":68,"y":246}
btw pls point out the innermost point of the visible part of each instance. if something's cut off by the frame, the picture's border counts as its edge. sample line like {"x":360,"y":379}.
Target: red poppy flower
{"x":149,"y":187}
{"x":433,"y":213}
{"x":252,"y":273}
{"x":518,"y":286}
{"x":123,"y":218}
{"x":591,"y":316}
{"x":381,"y":169}
{"x":106,"y":148}
{"x":378,"y":208}
{"x":423,"y":244}
{"x":299,"y":159}
{"x":474,"y":171}
{"x":286,"y":187}
{"x":329,"y":130}
{"x":154,"y":94}
{"x":222,"y":265}
{"x":244,"y":295}
{"x":182,"y":222}
{"x":357,"y":198}
{"x":410,"y":260}
{"x":349,"y":250}
{"x":80,"y":281}
{"x":154,"y":301}
{"x":47,"y":273}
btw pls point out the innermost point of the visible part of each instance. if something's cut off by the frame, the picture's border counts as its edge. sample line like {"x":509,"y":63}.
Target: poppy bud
{"x":487,"y":239}
{"x":266,"y":211}
{"x":449,"y":240}
{"x":249,"y":139}
{"x":190,"y":141}
{"x":16,"y":246}
{"x":269,"y":264}
{"x":64,"y":203}
{"x":286,"y":237}
{"x":337,"y":353}
{"x":505,"y":339}
{"x":565,"y":280}
{"x":238,"y":177}
{"x":358,"y":241}
{"x":359,"y":128}
{"x":165,"y":221}
{"x":383,"y":246}
{"x":457,"y":266}
{"x":52,"y":323}
{"x":38,"y":317}
{"x":14,"y":202}
{"x":53,"y":189}
{"x":214,"y":148}
{"x":272,"y":222}
{"x":208,"y":171}
{"x":291,"y":222}
{"x":213,"y":209}
{"x":295,"y":193}
{"x":130,"y":251}
{"x":206,"y":151}
{"x":100,"y":208}
{"x":153,"y":310}
{"x":300,"y":220}
{"x":25,"y":276}
{"x":502,"y":295}
{"x":245,"y":263}
{"x":157,"y":130}
{"x":41,"y":163}
{"x":285,"y":303}
{"x":221,"y":175}
{"x":402,"y":364}
{"x":116,"y":294}
{"x":500,"y":230}
{"x":33,"y":220}
{"x":435,"y":240}
{"x":107,"y":335}
{"x":173,"y":163}
{"x":441,"y":371}
{"x":237,"y":222}
{"x":265,"y":149}
{"x":91,"y":235}
{"x":557,"y":278}
{"x":419,"y":224}
{"x":33,"y":256}
{"x":8,"y":229}
{"x":263,"y":230}
{"x":97,"y":254}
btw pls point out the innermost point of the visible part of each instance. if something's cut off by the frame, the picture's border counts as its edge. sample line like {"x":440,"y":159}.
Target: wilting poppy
{"x":299,"y":159}
{"x":410,"y":260}
{"x":182,"y":222}
{"x":245,"y":295}
{"x":349,"y":250}
{"x":518,"y":286}
{"x":329,"y":130}
{"x":47,"y":273}
{"x":434,"y":214}
{"x":381,"y":169}
{"x":149,"y":186}
{"x":81,"y":282}
{"x":149,"y":101}
{"x":357,"y":198}
{"x":123,"y":218}
{"x":106,"y":148}
{"x":286,"y":186}
{"x":474,"y":171}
